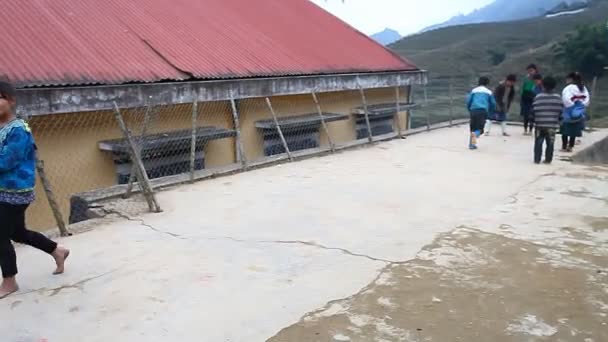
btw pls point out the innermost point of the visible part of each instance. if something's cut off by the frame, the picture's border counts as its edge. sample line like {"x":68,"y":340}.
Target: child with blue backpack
{"x":576,"y":100}
{"x":480,"y":103}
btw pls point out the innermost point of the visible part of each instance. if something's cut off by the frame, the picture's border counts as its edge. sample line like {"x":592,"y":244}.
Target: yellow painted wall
{"x":68,"y":143}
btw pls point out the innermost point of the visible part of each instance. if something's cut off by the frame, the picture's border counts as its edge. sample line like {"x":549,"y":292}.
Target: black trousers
{"x":478,"y":121}
{"x":541,"y":136}
{"x":568,"y":141}
{"x":527,"y":105}
{"x":12,"y":227}
{"x":528,"y":122}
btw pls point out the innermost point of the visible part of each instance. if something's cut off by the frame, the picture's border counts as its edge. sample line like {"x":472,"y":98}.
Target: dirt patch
{"x":576,"y":233}
{"x":584,"y":193}
{"x":599,"y":224}
{"x":586,"y":176}
{"x":602,"y":169}
{"x":472,"y":286}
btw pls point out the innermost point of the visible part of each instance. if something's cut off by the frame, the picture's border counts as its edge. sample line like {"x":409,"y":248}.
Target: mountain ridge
{"x":387,"y":36}
{"x":505,"y":10}
{"x":468,"y":49}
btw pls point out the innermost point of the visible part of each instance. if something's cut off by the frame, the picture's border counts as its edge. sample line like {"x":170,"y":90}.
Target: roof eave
{"x":57,"y":100}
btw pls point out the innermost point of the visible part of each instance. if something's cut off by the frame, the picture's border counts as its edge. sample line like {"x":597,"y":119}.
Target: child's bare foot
{"x":60,"y":254}
{"x":8,"y":287}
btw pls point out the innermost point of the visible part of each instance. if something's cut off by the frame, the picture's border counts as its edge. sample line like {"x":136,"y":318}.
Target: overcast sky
{"x":405,"y":16}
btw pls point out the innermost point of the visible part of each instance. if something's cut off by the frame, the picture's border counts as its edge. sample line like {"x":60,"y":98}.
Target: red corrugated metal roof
{"x":67,"y":42}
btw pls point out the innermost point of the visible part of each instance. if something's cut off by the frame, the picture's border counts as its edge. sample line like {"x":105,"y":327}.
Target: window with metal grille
{"x":301,"y":132}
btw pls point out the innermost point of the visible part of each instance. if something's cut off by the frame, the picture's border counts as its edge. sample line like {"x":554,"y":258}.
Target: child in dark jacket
{"x":480,"y":103}
{"x":504,"y":95}
{"x":17,"y":179}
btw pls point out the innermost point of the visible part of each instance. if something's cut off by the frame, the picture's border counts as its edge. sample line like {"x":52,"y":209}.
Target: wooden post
{"x":370,"y":137}
{"x":241,"y":158}
{"x":398,"y":114}
{"x":426,"y":110}
{"x":140,"y":170}
{"x":144,"y":132}
{"x":279,"y":130}
{"x":410,"y":100}
{"x":594,"y":99}
{"x":332,"y":147}
{"x":193,"y":137}
{"x":50,"y":196}
{"x":451,"y":90}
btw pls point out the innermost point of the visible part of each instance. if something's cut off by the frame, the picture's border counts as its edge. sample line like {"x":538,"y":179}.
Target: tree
{"x":496,"y":56}
{"x":585,"y":50}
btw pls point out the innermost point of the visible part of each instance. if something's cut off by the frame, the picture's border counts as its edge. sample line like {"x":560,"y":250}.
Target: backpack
{"x":577,"y":112}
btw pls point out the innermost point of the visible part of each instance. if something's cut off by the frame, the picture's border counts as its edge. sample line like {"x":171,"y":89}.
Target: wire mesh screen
{"x":92,"y":156}
{"x":442,"y":100}
{"x":73,"y":162}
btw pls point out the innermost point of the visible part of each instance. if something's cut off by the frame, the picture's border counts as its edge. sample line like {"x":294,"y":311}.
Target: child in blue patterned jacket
{"x":17,"y":179}
{"x":480,"y":103}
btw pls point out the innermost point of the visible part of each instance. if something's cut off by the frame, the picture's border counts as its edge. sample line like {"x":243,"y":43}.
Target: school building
{"x":73,"y":61}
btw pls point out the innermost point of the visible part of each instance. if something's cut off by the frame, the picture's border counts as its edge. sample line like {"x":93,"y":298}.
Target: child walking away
{"x":528,"y":93}
{"x":504,"y":94}
{"x":548,"y":108}
{"x":480,"y":103}
{"x":17,"y":178}
{"x":576,"y":100}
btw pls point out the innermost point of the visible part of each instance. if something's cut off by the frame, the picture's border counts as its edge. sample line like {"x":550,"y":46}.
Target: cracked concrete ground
{"x":415,"y":240}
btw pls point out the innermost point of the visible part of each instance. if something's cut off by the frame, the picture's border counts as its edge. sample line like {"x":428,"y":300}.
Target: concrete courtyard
{"x":408,"y":240}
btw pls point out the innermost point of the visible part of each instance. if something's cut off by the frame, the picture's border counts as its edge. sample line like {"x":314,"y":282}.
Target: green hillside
{"x":464,"y":49}
{"x":459,"y":54}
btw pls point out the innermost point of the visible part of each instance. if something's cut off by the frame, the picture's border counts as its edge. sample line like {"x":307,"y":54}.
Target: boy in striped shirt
{"x":547,"y":111}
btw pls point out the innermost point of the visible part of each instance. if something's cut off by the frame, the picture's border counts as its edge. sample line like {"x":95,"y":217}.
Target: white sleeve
{"x":587,"y":97}
{"x":567,"y":97}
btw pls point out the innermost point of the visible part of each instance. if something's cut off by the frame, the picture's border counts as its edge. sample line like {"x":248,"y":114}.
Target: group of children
{"x":541,"y":108}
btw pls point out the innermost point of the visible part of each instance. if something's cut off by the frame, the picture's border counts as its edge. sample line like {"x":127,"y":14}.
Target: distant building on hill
{"x":567,"y":8}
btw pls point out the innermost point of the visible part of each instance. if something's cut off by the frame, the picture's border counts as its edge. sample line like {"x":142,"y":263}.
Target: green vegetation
{"x":497,"y":57}
{"x":459,"y":55}
{"x":585,"y":50}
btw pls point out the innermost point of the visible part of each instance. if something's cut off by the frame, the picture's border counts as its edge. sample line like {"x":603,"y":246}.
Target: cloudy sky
{"x":405,"y":16}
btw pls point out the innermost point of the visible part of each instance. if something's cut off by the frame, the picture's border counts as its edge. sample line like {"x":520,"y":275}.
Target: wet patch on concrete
{"x":473,"y":286}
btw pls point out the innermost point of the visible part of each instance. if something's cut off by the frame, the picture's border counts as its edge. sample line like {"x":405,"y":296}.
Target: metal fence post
{"x":241,"y":158}
{"x":332,"y":147}
{"x":140,"y":170}
{"x":279,"y":130}
{"x":370,"y":137}
{"x":193,"y":136}
{"x":50,"y":196}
